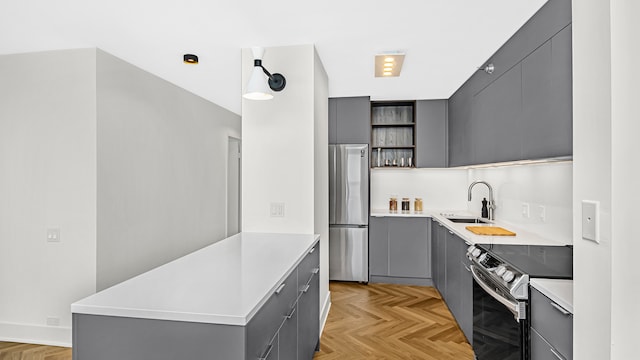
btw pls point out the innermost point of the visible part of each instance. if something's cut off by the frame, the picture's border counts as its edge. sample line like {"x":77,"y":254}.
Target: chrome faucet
{"x":491,"y":206}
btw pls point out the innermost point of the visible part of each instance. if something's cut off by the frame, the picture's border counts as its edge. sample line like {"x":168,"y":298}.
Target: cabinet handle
{"x":315,"y":271}
{"x":290,"y":314}
{"x":266,"y":353}
{"x":554,"y":352}
{"x":560,"y":308}
{"x":279,"y":289}
{"x":305,"y":288}
{"x":440,"y":225}
{"x":312,"y":250}
{"x":450,"y":232}
{"x":467,"y":268}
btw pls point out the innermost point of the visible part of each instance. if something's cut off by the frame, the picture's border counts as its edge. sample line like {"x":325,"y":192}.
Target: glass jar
{"x":405,"y":205}
{"x":417,"y":205}
{"x":393,"y":204}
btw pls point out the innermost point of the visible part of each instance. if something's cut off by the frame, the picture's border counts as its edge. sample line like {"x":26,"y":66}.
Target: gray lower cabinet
{"x":286,"y":327}
{"x":431,"y":133}
{"x":349,"y":120}
{"x":551,"y":329}
{"x":452,"y":275}
{"x":399,"y":250}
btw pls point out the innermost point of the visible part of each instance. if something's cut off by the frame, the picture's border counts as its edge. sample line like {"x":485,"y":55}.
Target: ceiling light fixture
{"x":190,"y":59}
{"x":388,"y":64}
{"x":257,"y":86}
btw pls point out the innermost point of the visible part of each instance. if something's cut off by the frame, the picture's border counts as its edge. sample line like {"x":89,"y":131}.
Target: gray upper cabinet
{"x":496,"y":120}
{"x":431,"y":133}
{"x":523,"y":110}
{"x":349,"y":120}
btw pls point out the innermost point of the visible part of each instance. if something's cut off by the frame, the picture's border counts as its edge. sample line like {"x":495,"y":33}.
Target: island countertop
{"x":223,"y":283}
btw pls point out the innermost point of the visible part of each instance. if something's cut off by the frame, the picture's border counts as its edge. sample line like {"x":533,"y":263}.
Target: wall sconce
{"x":190,"y":58}
{"x":257,"y":86}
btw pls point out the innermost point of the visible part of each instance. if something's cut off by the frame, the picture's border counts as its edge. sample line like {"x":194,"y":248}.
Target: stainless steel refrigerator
{"x":349,"y":212}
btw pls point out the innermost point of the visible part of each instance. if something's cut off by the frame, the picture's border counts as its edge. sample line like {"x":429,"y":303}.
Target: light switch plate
{"x":590,"y":220}
{"x":525,"y":210}
{"x":277,"y":210}
{"x":53,"y":235}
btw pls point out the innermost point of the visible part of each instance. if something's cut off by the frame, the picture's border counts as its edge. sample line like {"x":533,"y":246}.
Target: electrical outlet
{"x":590,"y":221}
{"x":53,"y":235}
{"x":542,"y":213}
{"x":525,"y":210}
{"x":277,"y":210}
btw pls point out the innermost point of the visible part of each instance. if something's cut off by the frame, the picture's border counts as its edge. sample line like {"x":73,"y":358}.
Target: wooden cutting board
{"x":490,"y":230}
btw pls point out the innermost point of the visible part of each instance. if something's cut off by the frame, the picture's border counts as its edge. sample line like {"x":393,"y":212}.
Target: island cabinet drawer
{"x":553,"y":323}
{"x":309,"y":266}
{"x":264,"y":325}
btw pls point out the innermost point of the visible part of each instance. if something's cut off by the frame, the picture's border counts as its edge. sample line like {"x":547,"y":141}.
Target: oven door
{"x":499,"y":321}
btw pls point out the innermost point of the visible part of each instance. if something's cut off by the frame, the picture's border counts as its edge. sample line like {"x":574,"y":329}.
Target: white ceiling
{"x":445,"y":40}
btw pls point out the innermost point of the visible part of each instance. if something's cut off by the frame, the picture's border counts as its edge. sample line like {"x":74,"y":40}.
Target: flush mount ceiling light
{"x":190,"y":59}
{"x":257,"y":86}
{"x":389,"y":65}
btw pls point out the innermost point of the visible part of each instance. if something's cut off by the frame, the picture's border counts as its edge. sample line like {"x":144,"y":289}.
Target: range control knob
{"x":476,"y":252}
{"x":508,"y":276}
{"x":482,"y":257}
{"x":501,"y":270}
{"x":470,"y":249}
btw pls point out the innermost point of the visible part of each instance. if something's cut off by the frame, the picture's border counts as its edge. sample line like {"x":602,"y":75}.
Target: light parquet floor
{"x":18,"y":351}
{"x":381,"y":321}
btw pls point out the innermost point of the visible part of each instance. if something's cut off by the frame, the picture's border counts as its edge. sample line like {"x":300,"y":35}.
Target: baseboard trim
{"x":325,"y":312}
{"x":35,"y":334}
{"x":400,"y":280}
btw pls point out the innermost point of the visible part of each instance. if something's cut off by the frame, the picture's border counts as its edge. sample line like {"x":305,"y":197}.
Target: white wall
{"x":592,"y":177}
{"x":625,"y":77}
{"x":548,"y":185}
{"x":47,"y":180}
{"x":162,"y":171}
{"x":285,"y":150}
{"x":321,"y":175}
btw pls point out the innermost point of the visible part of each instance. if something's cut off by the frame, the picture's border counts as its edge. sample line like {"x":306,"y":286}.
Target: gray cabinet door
{"x":434,"y":251}
{"x":378,"y":246}
{"x":288,"y":336}
{"x":431,"y":133}
{"x":309,"y":320}
{"x":452,"y":296}
{"x":441,"y":256}
{"x":353,"y":120}
{"x":333,"y":121}
{"x":459,"y":146}
{"x":546,"y":99}
{"x":552,"y":322}
{"x":496,"y":125}
{"x":409,"y":248}
{"x":465,"y":318}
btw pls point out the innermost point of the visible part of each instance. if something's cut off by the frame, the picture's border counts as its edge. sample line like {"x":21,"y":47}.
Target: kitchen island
{"x":249,"y":296}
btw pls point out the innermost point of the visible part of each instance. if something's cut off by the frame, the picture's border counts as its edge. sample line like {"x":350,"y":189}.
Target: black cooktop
{"x":555,"y":262}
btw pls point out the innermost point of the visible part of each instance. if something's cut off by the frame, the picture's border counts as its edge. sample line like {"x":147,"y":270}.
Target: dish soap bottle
{"x":485,"y":210}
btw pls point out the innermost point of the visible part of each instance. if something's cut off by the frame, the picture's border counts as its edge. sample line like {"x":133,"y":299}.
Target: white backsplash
{"x":444,"y":189}
{"x":547,"y":184}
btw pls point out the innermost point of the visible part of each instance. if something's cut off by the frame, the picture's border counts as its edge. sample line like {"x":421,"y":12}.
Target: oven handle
{"x":513,"y":306}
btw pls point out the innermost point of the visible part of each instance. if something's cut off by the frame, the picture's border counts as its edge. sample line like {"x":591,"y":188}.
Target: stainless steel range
{"x":501,"y":294}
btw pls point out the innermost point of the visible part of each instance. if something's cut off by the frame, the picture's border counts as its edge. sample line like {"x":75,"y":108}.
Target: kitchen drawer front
{"x":265,"y":324}
{"x":308,"y":265}
{"x":542,"y":350}
{"x":552,"y":322}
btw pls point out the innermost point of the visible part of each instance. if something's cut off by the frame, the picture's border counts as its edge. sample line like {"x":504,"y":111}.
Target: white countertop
{"x":223,"y":283}
{"x":522,"y":237}
{"x":560,"y":291}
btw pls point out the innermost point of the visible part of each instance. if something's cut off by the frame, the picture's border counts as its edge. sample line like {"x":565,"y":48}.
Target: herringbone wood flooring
{"x":380,"y":321}
{"x":375,"y":321}
{"x":17,"y":351}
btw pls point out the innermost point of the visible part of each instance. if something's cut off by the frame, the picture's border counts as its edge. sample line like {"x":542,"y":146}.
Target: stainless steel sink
{"x":469,"y":220}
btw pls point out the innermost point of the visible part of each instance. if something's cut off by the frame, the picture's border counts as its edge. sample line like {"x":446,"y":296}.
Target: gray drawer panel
{"x":541,"y":350}
{"x":264,"y":325}
{"x":307,"y":265}
{"x":552,"y":324}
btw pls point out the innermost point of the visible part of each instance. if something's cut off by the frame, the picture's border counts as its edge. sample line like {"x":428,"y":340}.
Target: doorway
{"x":234,"y":178}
